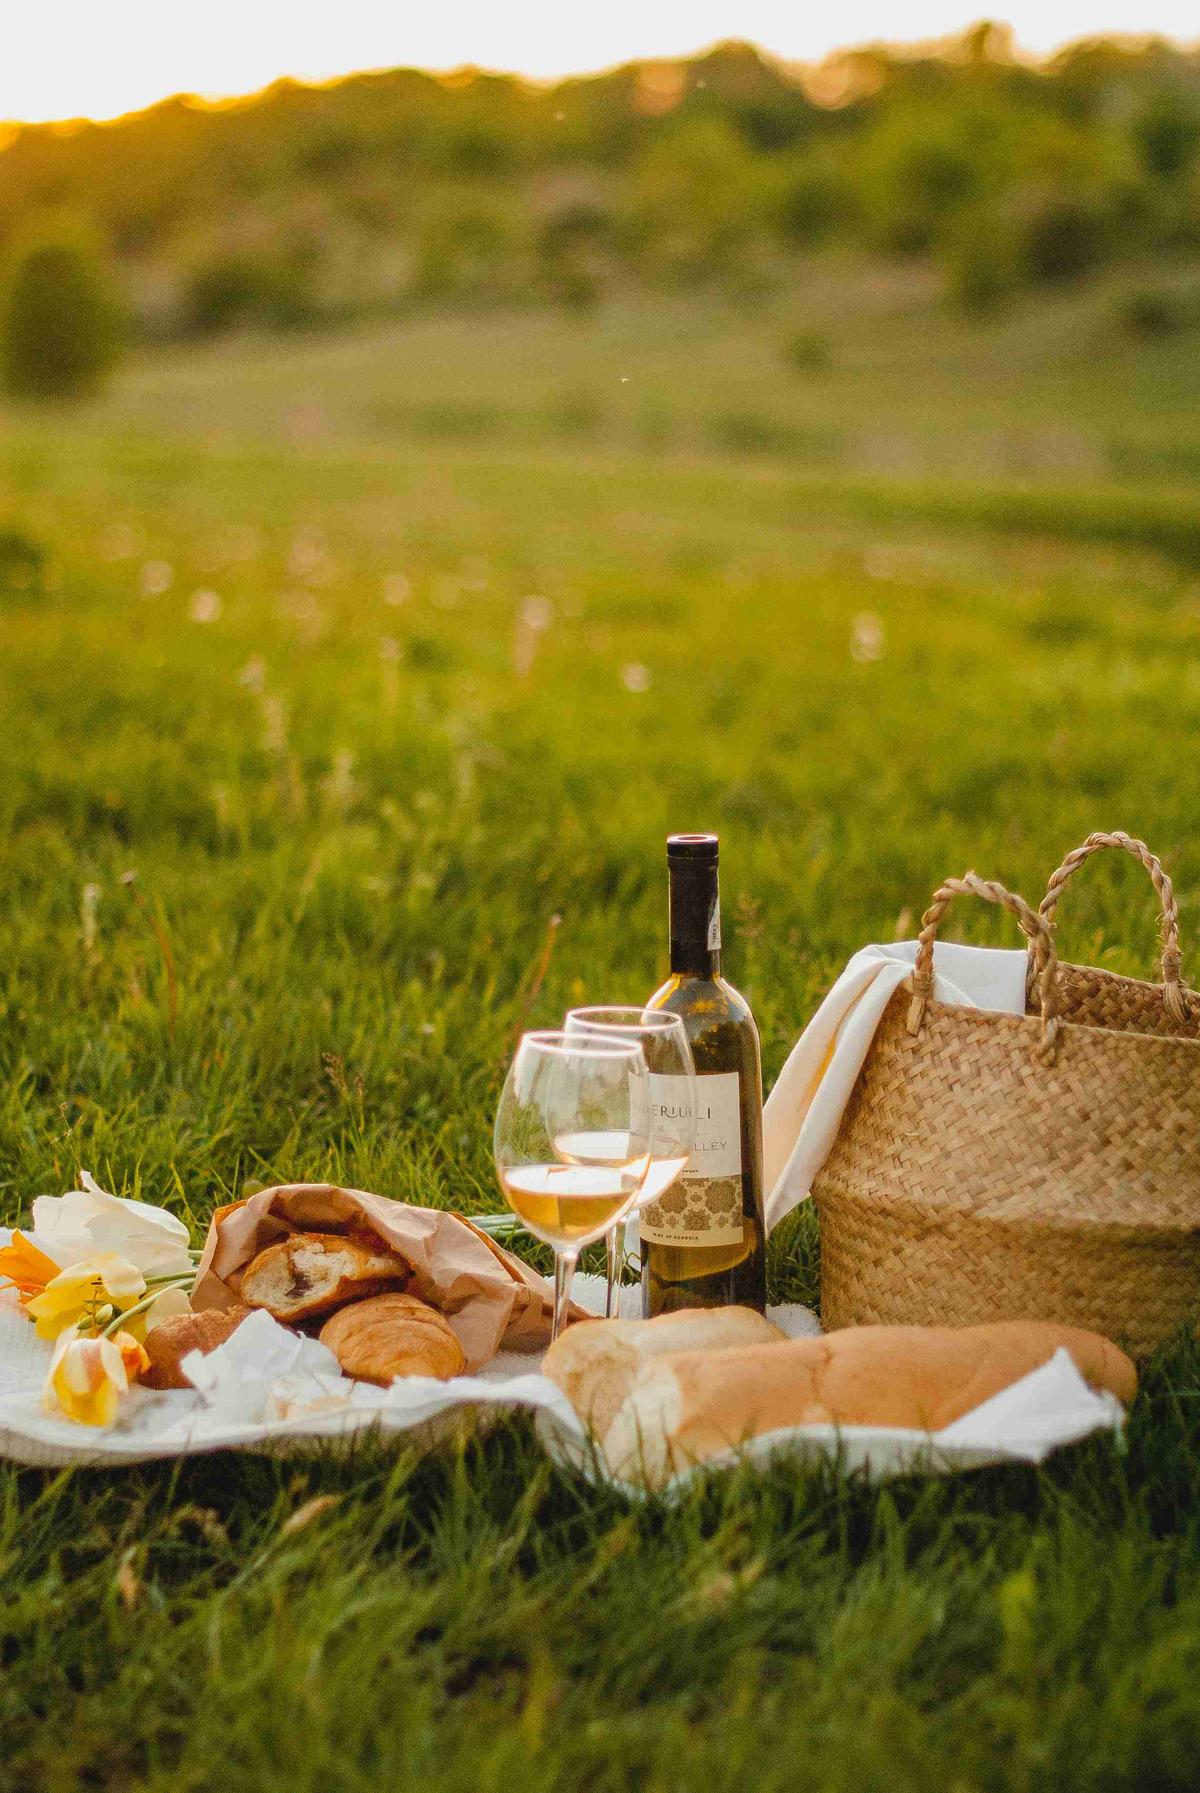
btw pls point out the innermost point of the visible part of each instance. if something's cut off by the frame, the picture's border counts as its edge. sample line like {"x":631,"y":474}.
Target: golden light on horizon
{"x":72,"y":59}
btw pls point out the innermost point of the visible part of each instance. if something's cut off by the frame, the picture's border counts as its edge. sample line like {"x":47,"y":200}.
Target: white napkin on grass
{"x":805,"y":1108}
{"x":237,"y":1378}
{"x":1046,"y":1409}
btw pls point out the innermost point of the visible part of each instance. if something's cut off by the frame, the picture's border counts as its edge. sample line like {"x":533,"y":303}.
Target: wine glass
{"x":572,"y":1142}
{"x":668,"y":1054}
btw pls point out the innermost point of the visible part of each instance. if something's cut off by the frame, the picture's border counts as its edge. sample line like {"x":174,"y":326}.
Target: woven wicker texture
{"x":1127,"y":1004}
{"x":1001,"y":1166}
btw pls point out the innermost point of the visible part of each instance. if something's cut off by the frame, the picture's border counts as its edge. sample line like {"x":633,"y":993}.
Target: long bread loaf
{"x":683,"y":1408}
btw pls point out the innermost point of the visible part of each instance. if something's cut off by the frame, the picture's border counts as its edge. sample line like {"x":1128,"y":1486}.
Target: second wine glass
{"x":672,"y":1075}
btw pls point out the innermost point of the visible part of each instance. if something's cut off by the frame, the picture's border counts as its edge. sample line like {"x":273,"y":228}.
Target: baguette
{"x":595,"y":1361}
{"x":688,"y":1407}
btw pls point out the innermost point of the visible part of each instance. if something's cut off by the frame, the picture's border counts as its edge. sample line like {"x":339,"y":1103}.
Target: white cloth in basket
{"x":805,"y":1108}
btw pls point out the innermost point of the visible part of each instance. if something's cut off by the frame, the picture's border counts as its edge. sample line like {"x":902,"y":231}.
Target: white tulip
{"x":75,"y":1226}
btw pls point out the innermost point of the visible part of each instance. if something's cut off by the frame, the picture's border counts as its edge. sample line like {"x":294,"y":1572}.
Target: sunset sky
{"x":70,"y":58}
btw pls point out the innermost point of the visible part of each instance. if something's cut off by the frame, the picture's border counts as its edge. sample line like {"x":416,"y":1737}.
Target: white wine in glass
{"x":572,"y":1143}
{"x":567,"y":1204}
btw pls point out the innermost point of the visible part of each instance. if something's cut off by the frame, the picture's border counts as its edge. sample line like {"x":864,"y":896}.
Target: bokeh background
{"x":420,"y":492}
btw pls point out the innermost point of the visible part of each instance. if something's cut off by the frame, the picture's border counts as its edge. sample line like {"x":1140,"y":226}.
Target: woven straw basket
{"x":1045,"y":1166}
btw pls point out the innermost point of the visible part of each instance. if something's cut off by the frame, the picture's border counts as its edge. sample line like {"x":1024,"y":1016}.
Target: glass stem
{"x":612,"y":1296}
{"x":564,"y":1270}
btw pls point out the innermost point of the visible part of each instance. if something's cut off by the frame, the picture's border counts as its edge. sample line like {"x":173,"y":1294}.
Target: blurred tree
{"x":1157,"y":312}
{"x":698,"y":203}
{"x":1167,"y":133}
{"x":572,"y":245}
{"x":275,"y":286}
{"x":983,"y":264}
{"x":1065,"y":238}
{"x":60,"y":324}
{"x":466,"y":249}
{"x":220,"y":294}
{"x":919,"y":165}
{"x":812,"y":199}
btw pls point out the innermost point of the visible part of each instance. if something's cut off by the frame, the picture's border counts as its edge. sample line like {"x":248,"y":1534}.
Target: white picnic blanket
{"x":264,"y":1370}
{"x":805,"y":1108}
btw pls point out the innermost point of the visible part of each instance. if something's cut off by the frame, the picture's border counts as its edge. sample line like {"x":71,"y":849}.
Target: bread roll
{"x":685,"y":1408}
{"x":393,"y":1335}
{"x":595,"y":1361}
{"x":312,"y":1274}
{"x":168,"y":1343}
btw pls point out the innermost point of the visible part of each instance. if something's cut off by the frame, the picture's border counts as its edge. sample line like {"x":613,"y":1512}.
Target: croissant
{"x":393,"y":1335}
{"x":310,"y":1274}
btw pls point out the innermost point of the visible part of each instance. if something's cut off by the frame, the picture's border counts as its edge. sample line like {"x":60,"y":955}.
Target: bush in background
{"x":274,"y":287}
{"x":59,"y":328}
{"x":1065,"y":239}
{"x":981,"y":276}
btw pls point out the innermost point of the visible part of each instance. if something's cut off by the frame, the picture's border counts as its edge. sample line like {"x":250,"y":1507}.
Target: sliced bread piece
{"x":313,"y":1274}
{"x":595,"y":1361}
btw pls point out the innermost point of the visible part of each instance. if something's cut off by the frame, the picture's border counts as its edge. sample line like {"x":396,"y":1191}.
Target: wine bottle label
{"x":705,"y":1206}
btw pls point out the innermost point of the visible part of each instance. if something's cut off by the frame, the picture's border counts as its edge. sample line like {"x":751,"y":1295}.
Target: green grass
{"x":350,"y":822}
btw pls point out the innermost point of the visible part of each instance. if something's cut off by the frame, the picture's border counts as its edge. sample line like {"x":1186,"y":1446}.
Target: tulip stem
{"x":498,"y":1226}
{"x":147,"y":1301}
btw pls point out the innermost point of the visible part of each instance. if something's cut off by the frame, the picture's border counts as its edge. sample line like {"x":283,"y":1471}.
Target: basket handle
{"x":1041,"y":943}
{"x":1174,"y":996}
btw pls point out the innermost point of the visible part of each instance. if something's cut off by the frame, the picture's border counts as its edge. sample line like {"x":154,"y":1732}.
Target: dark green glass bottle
{"x":703,"y":1242}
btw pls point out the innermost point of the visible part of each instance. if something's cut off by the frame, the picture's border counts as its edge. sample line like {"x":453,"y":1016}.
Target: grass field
{"x":329,"y":674}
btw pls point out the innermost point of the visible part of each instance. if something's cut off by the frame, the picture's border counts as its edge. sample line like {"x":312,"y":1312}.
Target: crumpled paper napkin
{"x":236,"y":1381}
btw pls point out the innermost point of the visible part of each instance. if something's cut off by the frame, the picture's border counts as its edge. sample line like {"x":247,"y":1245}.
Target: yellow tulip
{"x":82,"y":1293}
{"x":88,"y":1376}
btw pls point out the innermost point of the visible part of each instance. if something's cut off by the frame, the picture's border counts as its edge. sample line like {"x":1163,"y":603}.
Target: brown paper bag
{"x":490,"y":1298}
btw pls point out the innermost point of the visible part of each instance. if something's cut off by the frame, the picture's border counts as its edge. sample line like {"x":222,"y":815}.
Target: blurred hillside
{"x":309,"y":206}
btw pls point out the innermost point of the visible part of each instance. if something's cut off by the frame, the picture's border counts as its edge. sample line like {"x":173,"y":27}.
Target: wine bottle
{"x":703,"y":1241}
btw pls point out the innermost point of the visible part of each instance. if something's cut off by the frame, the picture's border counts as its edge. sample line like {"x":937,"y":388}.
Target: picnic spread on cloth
{"x":1002,"y":1152}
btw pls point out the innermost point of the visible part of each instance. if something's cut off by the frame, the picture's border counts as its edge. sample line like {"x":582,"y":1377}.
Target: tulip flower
{"x":88,"y":1295}
{"x":88,"y":1376}
{"x":89,"y":1220}
{"x":26,"y":1268}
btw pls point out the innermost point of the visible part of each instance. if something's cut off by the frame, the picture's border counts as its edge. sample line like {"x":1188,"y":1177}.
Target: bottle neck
{"x":689,"y":960}
{"x":695,"y":920}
